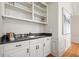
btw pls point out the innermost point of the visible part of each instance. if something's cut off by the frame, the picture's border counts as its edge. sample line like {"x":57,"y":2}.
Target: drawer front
{"x":17,"y":52}
{"x":17,"y":45}
{"x":13,"y":52}
{"x":36,"y":41}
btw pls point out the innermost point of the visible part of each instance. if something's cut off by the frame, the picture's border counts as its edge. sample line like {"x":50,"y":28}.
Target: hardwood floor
{"x":73,"y":51}
{"x":50,"y":55}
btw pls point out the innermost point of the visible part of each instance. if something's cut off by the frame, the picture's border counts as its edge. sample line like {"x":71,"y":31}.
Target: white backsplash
{"x":12,"y":25}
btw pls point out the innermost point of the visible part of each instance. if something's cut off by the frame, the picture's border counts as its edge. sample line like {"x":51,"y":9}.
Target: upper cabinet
{"x":27,"y":11}
{"x":18,"y":10}
{"x":40,"y":12}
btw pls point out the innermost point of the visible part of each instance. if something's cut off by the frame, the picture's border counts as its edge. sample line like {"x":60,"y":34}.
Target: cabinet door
{"x":19,"y":49}
{"x":36,"y":48}
{"x":33,"y":50}
{"x":1,"y":50}
{"x":47,"y":46}
{"x":39,"y":50}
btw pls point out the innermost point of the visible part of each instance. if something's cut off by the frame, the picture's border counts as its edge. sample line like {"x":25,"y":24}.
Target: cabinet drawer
{"x":36,"y":41}
{"x":14,"y":51}
{"x":17,"y":45}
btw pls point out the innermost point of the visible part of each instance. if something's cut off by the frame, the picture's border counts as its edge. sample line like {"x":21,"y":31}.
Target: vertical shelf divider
{"x":47,"y":14}
{"x":33,"y":11}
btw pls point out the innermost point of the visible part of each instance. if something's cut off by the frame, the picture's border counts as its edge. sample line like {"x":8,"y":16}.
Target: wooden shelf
{"x":12,"y":6}
{"x":44,"y":3}
{"x":39,"y":8}
{"x":24,"y":3}
{"x":18,"y":18}
{"x":26,"y":10}
{"x":39,"y":15}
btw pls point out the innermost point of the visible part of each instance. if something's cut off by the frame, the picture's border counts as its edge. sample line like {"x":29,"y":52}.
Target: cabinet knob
{"x":36,"y":47}
{"x":18,"y":45}
{"x":27,"y":50}
{"x":44,"y":44}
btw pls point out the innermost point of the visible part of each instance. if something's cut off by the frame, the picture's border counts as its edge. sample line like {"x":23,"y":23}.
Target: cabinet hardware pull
{"x":36,"y":47}
{"x":27,"y":50}
{"x":44,"y":44}
{"x":18,"y":45}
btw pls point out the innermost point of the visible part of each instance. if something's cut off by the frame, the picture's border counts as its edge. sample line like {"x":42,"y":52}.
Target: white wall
{"x":55,"y":24}
{"x":12,"y":25}
{"x":75,"y":23}
{"x":0,"y":22}
{"x":75,"y":29}
{"x":76,"y":8}
{"x":52,"y":26}
{"x":68,"y":7}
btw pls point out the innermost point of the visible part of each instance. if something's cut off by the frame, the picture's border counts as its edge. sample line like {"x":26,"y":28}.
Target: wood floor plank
{"x":73,"y":51}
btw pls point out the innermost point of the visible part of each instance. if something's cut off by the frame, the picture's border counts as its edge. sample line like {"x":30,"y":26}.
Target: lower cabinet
{"x":47,"y":46}
{"x":40,"y":47}
{"x":36,"y":48}
{"x":31,"y":48}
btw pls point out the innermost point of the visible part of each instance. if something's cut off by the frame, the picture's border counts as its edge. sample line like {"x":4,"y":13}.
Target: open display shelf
{"x":40,"y":12}
{"x":27,"y":11}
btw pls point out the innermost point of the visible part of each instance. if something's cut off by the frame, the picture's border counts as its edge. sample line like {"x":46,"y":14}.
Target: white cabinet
{"x":32,"y":48}
{"x":36,"y":48}
{"x":31,"y":12}
{"x":40,"y":12}
{"x":47,"y":45}
{"x":19,"y":49}
{"x":1,"y":50}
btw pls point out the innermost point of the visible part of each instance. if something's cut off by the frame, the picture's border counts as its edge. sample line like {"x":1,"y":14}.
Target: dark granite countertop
{"x":41,"y":35}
